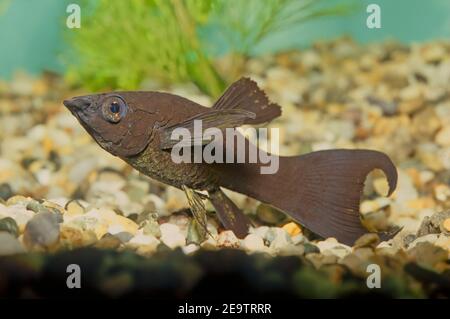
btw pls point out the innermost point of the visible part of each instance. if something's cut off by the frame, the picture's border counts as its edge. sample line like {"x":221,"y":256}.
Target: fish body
{"x":320,"y":190}
{"x":158,"y":165}
{"x":136,"y":141}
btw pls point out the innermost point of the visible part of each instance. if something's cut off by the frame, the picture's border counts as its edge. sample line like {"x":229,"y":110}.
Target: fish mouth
{"x":79,"y":107}
{"x":78,"y":103}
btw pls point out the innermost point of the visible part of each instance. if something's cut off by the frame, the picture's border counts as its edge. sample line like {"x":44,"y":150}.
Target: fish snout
{"x":78,"y":103}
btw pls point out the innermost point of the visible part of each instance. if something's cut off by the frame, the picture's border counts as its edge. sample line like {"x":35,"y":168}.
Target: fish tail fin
{"x":321,"y":190}
{"x":245,"y":94}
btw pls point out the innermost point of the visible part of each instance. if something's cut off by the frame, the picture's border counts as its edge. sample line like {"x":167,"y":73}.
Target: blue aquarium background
{"x":32,"y":39}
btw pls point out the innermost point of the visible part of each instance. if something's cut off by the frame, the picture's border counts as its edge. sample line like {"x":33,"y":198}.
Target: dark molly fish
{"x":320,"y":190}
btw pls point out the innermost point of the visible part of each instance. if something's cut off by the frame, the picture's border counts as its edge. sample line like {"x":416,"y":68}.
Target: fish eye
{"x":114,"y":109}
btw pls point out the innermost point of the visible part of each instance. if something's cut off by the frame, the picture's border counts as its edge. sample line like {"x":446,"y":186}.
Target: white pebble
{"x":9,"y":245}
{"x":254,"y":243}
{"x":189,"y":249}
{"x":171,"y":235}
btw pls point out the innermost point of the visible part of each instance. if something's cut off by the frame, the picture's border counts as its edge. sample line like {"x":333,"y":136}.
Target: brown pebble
{"x":446,"y":224}
{"x":367,"y":240}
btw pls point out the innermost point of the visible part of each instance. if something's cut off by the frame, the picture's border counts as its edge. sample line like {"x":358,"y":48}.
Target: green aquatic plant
{"x":254,"y":20}
{"x":123,"y":43}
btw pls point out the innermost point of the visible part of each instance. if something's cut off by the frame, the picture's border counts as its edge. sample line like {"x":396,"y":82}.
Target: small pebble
{"x":74,"y":208}
{"x":9,"y":225}
{"x":172,"y":236}
{"x":367,"y":240}
{"x":190,"y":249}
{"x":5,"y":191}
{"x":292,"y":229}
{"x":428,"y":254}
{"x":37,"y":207}
{"x":444,"y":242}
{"x":124,"y":237}
{"x":281,"y":242}
{"x":9,"y":245}
{"x":381,"y":186}
{"x":42,"y":231}
{"x":446,"y":225}
{"x":443,"y":136}
{"x":228,"y":239}
{"x":442,"y":192}
{"x":152,"y":227}
{"x":71,"y":237}
{"x":20,"y":214}
{"x":18,"y":200}
{"x":108,"y":242}
{"x":310,"y":248}
{"x":269,"y":215}
{"x":433,"y":224}
{"x":408,"y":239}
{"x":144,"y":244}
{"x":274,"y":233}
{"x":253,"y":243}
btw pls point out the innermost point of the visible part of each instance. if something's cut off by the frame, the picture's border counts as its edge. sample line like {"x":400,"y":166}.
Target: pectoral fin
{"x":198,"y":210}
{"x":220,"y":119}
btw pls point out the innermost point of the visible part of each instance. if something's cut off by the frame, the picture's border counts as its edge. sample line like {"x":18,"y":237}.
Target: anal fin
{"x":229,"y":214}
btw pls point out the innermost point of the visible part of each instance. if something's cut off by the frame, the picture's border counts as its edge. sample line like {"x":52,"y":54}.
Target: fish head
{"x":120,"y":122}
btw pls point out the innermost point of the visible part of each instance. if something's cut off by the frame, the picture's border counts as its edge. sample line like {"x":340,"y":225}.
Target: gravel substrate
{"x":59,"y":191}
